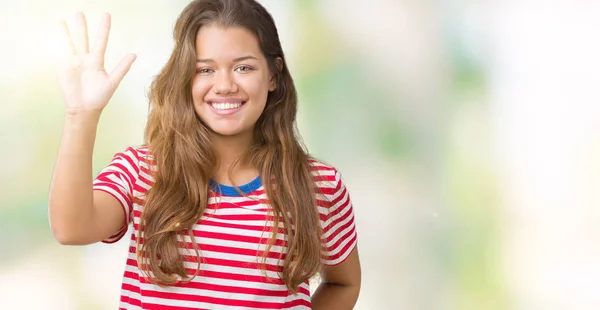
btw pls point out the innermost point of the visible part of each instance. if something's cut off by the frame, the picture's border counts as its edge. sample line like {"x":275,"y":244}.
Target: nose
{"x":224,"y":83}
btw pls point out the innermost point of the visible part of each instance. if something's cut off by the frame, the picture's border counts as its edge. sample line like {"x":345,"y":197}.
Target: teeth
{"x":225,"y":105}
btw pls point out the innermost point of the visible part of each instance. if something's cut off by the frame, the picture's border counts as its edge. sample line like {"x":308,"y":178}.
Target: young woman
{"x":227,"y":210}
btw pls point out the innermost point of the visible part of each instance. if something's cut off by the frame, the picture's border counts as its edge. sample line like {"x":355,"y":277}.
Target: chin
{"x":227,"y":132}
{"x":224,"y":133}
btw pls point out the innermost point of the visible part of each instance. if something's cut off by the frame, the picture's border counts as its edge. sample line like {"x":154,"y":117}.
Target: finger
{"x":101,"y":40}
{"x":116,"y":76}
{"x":81,"y":34}
{"x":65,"y":43}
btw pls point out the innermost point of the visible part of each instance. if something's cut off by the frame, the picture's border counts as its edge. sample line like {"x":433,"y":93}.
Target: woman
{"x":221,"y":168}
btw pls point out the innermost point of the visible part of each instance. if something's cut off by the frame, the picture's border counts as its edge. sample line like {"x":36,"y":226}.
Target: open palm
{"x":85,"y":84}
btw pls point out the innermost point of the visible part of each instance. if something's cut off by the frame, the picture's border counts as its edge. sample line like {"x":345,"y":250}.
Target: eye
{"x":204,"y":71}
{"x":243,"y":69}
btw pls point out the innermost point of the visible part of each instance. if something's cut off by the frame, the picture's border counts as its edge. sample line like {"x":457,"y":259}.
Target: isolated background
{"x":468,"y":133}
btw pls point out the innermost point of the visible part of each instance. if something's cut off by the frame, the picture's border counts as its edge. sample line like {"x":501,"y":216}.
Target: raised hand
{"x":85,"y":84}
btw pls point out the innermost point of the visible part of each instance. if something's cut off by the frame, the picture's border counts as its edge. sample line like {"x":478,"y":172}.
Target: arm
{"x":78,"y":214}
{"x":340,"y":271}
{"x":339,"y":286}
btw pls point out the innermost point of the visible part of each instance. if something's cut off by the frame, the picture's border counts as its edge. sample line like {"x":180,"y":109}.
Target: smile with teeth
{"x":225,"y":105}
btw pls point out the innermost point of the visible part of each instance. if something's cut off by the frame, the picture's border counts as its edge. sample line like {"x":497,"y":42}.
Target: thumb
{"x":119,"y":72}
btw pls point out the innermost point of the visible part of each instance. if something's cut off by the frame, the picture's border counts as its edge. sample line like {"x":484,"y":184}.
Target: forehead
{"x":217,"y":42}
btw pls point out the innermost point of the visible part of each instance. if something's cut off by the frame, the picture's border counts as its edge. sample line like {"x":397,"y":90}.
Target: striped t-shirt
{"x":229,"y":235}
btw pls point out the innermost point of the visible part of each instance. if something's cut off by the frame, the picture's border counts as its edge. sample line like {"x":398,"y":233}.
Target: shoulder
{"x":332,"y":198}
{"x":322,"y":171}
{"x":327,"y":177}
{"x":131,"y":160}
{"x":135,"y":154}
{"x":139,"y":151}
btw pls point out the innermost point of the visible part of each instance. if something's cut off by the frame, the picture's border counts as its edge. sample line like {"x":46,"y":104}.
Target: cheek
{"x":257,"y":88}
{"x":199,"y":89}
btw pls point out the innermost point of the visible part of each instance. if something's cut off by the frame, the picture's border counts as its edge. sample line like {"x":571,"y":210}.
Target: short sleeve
{"x":118,"y":179}
{"x":337,"y":223}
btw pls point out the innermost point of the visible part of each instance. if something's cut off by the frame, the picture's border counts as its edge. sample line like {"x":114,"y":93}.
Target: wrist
{"x":82,"y":118}
{"x":80,"y":110}
{"x":76,"y":114}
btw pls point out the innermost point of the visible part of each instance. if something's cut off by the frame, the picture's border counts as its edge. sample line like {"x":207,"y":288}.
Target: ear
{"x":273,"y":81}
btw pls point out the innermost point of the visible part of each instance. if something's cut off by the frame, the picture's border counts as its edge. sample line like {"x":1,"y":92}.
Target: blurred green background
{"x":467,"y":133}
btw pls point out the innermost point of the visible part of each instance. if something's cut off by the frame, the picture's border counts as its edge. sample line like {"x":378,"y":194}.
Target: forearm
{"x":70,"y":199}
{"x":335,"y":297}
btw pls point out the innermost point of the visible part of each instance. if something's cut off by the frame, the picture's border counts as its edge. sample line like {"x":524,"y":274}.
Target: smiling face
{"x":232,"y":80}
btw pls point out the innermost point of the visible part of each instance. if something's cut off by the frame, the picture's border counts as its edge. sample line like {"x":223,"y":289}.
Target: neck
{"x":229,"y":149}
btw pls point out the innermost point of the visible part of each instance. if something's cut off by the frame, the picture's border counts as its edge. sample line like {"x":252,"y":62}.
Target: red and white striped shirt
{"x":229,"y":235}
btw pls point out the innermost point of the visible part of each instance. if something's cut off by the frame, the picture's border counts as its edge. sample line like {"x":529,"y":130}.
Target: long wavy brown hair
{"x":180,"y":145}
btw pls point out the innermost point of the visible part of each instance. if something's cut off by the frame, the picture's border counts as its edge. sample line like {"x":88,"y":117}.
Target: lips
{"x":225,"y":106}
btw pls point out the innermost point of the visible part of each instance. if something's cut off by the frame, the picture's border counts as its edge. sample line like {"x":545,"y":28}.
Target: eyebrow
{"x":235,"y":60}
